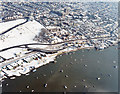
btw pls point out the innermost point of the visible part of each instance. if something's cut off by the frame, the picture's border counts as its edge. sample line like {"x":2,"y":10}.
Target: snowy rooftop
{"x":52,"y":27}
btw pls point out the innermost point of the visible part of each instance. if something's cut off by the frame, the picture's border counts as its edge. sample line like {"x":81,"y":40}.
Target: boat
{"x":27,"y":74}
{"x":31,"y":68}
{"x":12,"y":77}
{"x":34,"y":70}
{"x":65,"y":87}
{"x":45,"y":85}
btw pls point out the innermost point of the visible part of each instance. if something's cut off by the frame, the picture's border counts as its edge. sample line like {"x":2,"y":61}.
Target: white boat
{"x":27,"y":74}
{"x":45,"y":85}
{"x":12,"y":77}
{"x":34,"y":70}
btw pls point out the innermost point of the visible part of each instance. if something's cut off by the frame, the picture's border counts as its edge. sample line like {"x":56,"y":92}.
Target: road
{"x":20,"y":46}
{"x":35,"y":50}
{"x":11,"y":61}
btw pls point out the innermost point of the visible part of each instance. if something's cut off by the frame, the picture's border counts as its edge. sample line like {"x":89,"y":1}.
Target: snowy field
{"x":22,"y":34}
{"x":6,"y":25}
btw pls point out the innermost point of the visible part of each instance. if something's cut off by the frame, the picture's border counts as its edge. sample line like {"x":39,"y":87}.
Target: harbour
{"x":80,"y":71}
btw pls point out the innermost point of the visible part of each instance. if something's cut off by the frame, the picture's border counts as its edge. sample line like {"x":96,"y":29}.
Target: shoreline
{"x":23,"y":69}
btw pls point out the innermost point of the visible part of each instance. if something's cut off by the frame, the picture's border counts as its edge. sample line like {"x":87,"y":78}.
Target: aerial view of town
{"x":59,"y":46}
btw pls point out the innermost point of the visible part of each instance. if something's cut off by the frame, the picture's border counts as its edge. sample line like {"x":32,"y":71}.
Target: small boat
{"x":61,"y":70}
{"x":32,"y":90}
{"x":116,"y":67}
{"x":65,"y":87}
{"x":85,"y":86}
{"x":98,"y":78}
{"x":1,"y":85}
{"x":27,"y":86}
{"x":34,"y":70}
{"x":27,"y":74}
{"x":31,"y":68}
{"x":45,"y":85}
{"x":44,"y":74}
{"x":12,"y":78}
{"x":6,"y":84}
{"x":75,"y":86}
{"x":66,"y":75}
{"x":36,"y":77}
{"x":75,"y":60}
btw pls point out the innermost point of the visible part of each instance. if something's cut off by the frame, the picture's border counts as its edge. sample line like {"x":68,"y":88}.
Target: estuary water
{"x":80,"y":71}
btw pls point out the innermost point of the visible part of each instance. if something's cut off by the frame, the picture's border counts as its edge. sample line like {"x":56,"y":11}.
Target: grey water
{"x":80,"y":71}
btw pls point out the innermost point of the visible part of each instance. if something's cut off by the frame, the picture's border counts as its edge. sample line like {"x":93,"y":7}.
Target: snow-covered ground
{"x":22,"y":34}
{"x":25,"y":67}
{"x":6,"y":25}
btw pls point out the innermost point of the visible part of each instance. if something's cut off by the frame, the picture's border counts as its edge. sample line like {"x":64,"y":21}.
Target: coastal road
{"x":20,"y":46}
{"x":34,"y":51}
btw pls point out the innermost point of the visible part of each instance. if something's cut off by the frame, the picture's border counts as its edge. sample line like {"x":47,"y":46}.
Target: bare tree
{"x":42,"y":36}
